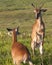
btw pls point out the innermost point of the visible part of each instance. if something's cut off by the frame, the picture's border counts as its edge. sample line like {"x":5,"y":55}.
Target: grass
{"x":15,"y":13}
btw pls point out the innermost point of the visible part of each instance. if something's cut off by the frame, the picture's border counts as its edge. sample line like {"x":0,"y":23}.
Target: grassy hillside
{"x":20,"y":4}
{"x":15,"y":13}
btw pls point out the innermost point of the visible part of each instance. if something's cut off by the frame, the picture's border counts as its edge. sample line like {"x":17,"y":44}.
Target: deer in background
{"x":38,"y":30}
{"x":19,"y":52}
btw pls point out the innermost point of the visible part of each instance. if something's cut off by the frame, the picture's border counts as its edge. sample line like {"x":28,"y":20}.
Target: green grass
{"x":15,"y":13}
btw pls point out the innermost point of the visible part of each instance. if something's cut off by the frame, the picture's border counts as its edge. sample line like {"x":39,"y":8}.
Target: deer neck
{"x":39,"y":18}
{"x":14,"y":37}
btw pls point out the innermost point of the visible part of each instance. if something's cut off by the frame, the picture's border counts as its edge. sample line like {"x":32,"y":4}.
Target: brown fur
{"x":37,"y":29}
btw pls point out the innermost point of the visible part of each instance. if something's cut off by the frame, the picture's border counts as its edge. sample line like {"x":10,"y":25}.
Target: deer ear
{"x":33,"y":5}
{"x":9,"y":29}
{"x":17,"y":30}
{"x":43,"y":10}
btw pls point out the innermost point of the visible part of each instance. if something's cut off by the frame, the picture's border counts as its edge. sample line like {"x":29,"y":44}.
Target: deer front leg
{"x":33,"y":45}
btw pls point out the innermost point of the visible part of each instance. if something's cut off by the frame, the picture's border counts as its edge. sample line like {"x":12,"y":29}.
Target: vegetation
{"x":15,"y":13}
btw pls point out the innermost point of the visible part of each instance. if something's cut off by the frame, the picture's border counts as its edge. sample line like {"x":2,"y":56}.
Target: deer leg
{"x":33,"y":47}
{"x":30,"y":63}
{"x":18,"y":63}
{"x":41,"y":48}
{"x":14,"y":61}
{"x":41,"y":52}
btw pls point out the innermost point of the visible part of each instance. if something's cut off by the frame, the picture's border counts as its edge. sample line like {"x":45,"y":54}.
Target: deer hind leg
{"x":30,"y":63}
{"x":40,"y":44}
{"x":41,"y":48}
{"x":18,"y":63}
{"x":14,"y":61}
{"x":41,"y":52}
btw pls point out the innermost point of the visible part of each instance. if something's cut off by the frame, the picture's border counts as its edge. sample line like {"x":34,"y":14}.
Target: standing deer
{"x":38,"y":30}
{"x":19,"y":52}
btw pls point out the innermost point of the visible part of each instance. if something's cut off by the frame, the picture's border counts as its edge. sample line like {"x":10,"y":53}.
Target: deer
{"x":38,"y":30}
{"x":19,"y":52}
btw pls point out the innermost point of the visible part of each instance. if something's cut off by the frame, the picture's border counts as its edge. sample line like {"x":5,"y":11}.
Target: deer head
{"x":39,"y":10}
{"x":10,"y":31}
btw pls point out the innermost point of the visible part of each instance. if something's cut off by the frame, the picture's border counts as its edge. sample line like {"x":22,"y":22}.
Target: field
{"x":15,"y":13}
